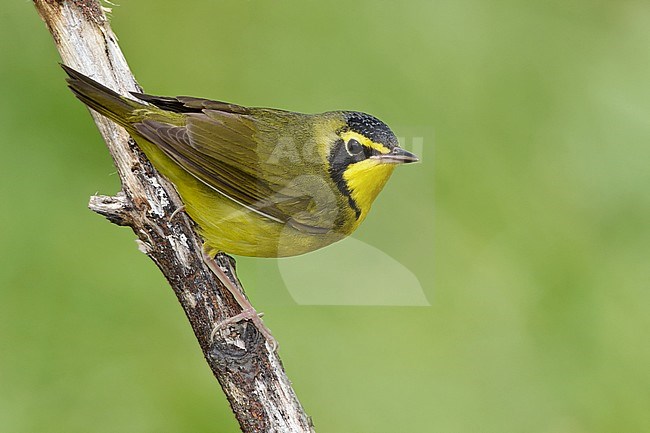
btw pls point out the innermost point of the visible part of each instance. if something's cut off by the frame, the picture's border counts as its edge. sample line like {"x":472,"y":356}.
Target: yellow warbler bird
{"x":257,"y":181}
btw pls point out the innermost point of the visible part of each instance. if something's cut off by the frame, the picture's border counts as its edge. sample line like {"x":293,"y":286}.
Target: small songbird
{"x":257,"y":181}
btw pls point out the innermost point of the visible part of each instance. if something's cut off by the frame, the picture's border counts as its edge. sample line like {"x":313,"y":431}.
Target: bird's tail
{"x":101,"y":99}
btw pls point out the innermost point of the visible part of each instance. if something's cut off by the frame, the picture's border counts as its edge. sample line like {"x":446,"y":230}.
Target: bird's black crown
{"x":371,"y":127}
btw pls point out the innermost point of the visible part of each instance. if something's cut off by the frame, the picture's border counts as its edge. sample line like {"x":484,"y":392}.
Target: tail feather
{"x":100,"y":98}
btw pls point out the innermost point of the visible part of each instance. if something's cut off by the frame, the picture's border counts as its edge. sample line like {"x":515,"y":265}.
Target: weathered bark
{"x":251,"y":375}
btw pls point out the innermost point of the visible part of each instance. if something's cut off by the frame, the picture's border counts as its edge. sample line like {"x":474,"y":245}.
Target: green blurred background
{"x":528,"y":226}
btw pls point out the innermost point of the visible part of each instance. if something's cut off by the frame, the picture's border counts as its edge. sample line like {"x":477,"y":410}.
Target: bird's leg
{"x":248,"y":311}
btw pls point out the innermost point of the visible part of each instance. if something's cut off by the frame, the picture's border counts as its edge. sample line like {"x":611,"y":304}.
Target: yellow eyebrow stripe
{"x":365,"y":141}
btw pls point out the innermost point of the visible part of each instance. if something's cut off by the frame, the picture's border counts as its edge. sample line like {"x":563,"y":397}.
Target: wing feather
{"x":229,"y":150}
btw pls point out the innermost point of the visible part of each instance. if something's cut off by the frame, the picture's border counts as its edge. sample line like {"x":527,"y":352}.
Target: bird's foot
{"x":253,"y":316}
{"x":176,"y":212}
{"x":248,"y":311}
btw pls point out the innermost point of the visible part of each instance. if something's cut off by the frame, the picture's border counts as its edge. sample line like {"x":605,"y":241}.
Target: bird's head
{"x":362,"y":159}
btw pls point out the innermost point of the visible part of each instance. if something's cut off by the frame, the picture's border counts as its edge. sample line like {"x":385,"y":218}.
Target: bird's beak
{"x":397,"y":156}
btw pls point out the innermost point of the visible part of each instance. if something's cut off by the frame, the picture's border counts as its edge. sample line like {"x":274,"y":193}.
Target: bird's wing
{"x":233,"y":152}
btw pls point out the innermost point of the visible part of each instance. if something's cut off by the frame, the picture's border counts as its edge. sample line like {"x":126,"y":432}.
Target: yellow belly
{"x":231,"y":228}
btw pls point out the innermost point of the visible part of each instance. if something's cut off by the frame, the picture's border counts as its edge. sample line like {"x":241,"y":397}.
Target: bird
{"x":258,"y":182}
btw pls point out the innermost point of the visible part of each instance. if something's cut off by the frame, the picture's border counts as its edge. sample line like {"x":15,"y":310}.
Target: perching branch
{"x":251,"y":375}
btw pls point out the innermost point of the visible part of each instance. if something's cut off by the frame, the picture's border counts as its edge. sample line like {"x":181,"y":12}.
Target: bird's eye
{"x":353,"y":147}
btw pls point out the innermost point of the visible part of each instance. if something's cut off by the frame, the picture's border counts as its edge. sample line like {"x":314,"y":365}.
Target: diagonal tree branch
{"x":250,"y":373}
